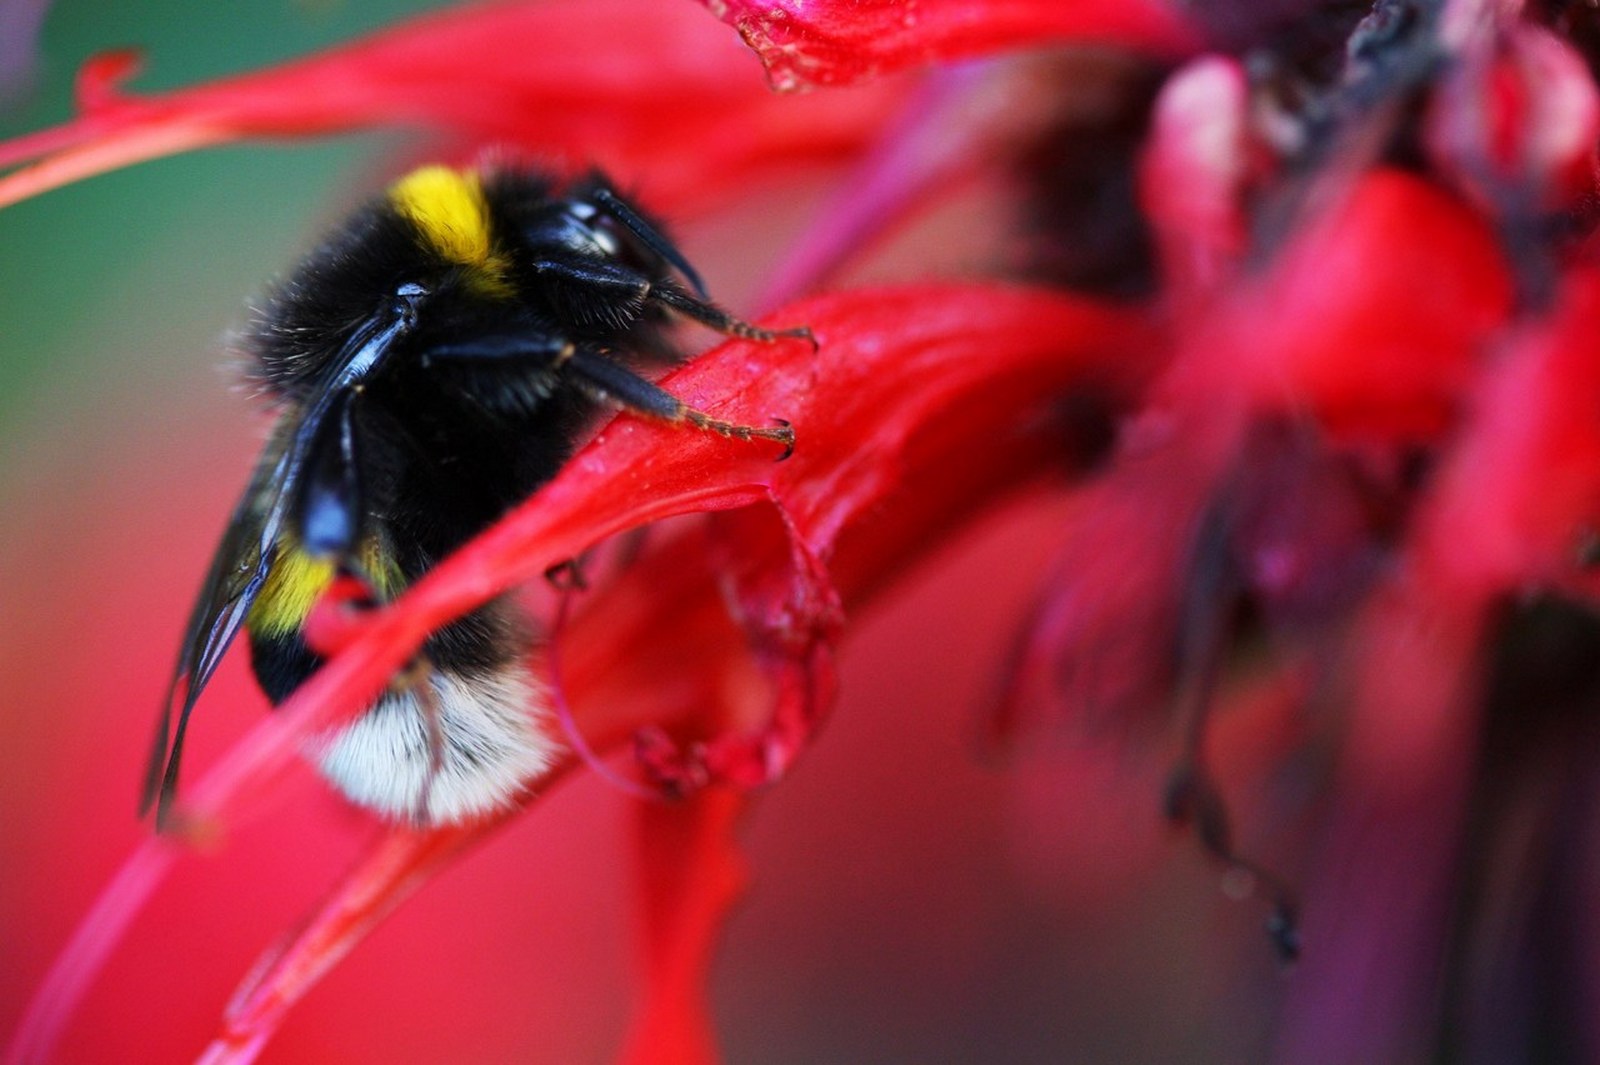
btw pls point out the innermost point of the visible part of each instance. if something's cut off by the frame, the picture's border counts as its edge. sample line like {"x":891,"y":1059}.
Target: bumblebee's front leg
{"x":593,"y":287}
{"x":605,"y":380}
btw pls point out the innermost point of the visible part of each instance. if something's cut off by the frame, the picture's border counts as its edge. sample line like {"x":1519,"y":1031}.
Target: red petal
{"x":1192,"y":176}
{"x":810,"y":43}
{"x":903,"y":381}
{"x":690,"y":877}
{"x":885,"y":414}
{"x":1343,"y":330}
{"x":1337,"y":331}
{"x":653,"y":89}
{"x":1517,"y":118}
{"x":401,"y":862}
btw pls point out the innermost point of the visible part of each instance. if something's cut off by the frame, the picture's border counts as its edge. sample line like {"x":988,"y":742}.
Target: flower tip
{"x":1526,"y":117}
{"x":1195,"y":168}
{"x":339,"y":615}
{"x":102,"y":75}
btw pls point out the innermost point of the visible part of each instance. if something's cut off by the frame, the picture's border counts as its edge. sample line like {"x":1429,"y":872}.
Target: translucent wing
{"x":238,"y":570}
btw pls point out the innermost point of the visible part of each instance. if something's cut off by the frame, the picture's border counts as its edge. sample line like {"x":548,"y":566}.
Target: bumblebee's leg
{"x":417,"y":679}
{"x":610,"y":282}
{"x":607,"y":380}
{"x":707,"y":313}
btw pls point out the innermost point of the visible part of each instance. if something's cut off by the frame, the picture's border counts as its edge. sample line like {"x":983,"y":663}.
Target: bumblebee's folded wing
{"x":238,"y":570}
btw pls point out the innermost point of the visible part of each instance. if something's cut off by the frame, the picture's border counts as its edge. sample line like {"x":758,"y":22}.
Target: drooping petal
{"x":690,"y":876}
{"x":901,"y":380}
{"x":1336,"y":336}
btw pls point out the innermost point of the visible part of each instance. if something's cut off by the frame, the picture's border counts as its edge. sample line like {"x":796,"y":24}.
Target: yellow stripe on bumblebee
{"x":449,"y":210}
{"x":298,"y":578}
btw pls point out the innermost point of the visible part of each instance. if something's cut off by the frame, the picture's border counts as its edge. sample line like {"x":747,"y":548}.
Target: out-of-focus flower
{"x":1331,"y":487}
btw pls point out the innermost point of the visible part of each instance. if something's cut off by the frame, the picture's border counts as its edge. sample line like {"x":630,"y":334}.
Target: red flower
{"x":1319,"y":487}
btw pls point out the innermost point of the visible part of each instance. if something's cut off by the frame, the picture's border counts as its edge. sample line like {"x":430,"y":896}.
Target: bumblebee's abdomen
{"x":482,"y":641}
{"x":485,"y":738}
{"x":281,"y":662}
{"x":483,"y":741}
{"x":447,"y":747}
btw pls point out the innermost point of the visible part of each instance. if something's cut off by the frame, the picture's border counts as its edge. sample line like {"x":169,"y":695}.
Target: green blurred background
{"x":128,"y":281}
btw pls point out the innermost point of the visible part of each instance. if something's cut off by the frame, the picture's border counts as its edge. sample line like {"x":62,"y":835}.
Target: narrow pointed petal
{"x":402,"y":861}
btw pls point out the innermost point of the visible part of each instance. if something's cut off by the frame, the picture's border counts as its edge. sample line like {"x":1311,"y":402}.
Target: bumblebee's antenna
{"x":652,"y":238}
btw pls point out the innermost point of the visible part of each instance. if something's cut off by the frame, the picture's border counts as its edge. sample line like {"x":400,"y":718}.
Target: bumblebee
{"x":434,"y":361}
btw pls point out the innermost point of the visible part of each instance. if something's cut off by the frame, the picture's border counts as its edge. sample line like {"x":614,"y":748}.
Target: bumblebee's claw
{"x":785,"y":435}
{"x":802,"y":332}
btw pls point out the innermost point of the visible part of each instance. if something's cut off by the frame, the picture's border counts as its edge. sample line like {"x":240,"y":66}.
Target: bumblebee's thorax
{"x":451,"y":219}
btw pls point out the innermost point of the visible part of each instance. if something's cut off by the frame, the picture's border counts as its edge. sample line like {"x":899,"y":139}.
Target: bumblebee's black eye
{"x":596,"y":230}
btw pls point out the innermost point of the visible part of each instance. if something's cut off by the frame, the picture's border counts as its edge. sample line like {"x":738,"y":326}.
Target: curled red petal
{"x":654,"y":89}
{"x":903,"y":378}
{"x":885,"y":413}
{"x":807,"y":43}
{"x":99,"y":84}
